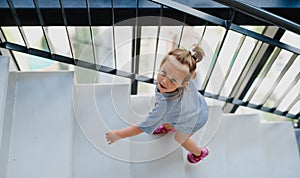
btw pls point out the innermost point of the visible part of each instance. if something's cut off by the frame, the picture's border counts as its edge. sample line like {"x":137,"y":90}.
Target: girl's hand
{"x":112,"y":137}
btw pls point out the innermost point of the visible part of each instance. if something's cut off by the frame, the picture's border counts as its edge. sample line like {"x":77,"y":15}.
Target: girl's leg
{"x":188,"y":143}
{"x":163,"y":129}
{"x":168,"y":126}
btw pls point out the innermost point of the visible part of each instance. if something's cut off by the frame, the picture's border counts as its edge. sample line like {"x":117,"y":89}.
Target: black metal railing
{"x":255,"y":65}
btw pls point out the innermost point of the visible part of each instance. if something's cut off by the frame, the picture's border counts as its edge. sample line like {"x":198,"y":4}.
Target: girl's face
{"x":171,"y":75}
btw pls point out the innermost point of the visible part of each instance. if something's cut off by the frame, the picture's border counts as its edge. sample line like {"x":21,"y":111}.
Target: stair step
{"x":91,"y":161}
{"x":244,"y":146}
{"x":281,"y":149}
{"x":99,"y":108}
{"x":43,"y":136}
{"x":38,"y":125}
{"x":211,"y":135}
{"x":132,"y":157}
{"x":153,"y":156}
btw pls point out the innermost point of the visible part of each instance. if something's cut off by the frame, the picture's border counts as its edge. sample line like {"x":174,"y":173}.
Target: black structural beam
{"x":239,"y":102}
{"x":75,"y":62}
{"x":262,"y":15}
{"x":75,"y":12}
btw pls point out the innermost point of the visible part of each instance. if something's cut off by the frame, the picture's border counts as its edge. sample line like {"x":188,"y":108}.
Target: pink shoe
{"x":162,"y":130}
{"x":195,"y":159}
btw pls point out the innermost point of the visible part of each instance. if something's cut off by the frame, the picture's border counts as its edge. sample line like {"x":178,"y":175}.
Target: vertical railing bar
{"x":284,"y":94}
{"x":134,"y":29}
{"x":113,"y":31}
{"x":264,"y":73}
{"x":91,"y":31}
{"x":39,"y":13}
{"x":135,"y":59}
{"x":298,"y":116}
{"x":135,"y":52}
{"x":66,"y":27}
{"x":282,"y":73}
{"x":203,"y":33}
{"x":236,"y":53}
{"x":228,"y":24}
{"x":157,"y":40}
{"x":217,"y":53}
{"x":182,"y":29}
{"x":18,"y":22}
{"x":246,"y":67}
{"x":2,"y":35}
{"x":214,"y":61}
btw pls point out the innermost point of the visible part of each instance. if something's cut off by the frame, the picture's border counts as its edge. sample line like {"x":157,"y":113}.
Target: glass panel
{"x":13,"y":35}
{"x":257,"y":29}
{"x":168,"y":40}
{"x":237,"y":68}
{"x":296,"y":109}
{"x":36,"y":38}
{"x":246,"y":110}
{"x":146,"y":89}
{"x":291,"y":38}
{"x":265,"y":116}
{"x":271,"y":77}
{"x":223,"y":61}
{"x":33,"y":63}
{"x":290,"y":97}
{"x":123,"y":45}
{"x":81,"y":39}
{"x":284,"y":83}
{"x":262,"y":74}
{"x":12,"y":64}
{"x":147,"y":51}
{"x":190,"y":36}
{"x":103,"y":38}
{"x":59,"y":39}
{"x":210,"y":43}
{"x":103,"y":43}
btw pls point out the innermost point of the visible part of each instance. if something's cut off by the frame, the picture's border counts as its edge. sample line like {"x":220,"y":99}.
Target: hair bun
{"x":198,"y":53}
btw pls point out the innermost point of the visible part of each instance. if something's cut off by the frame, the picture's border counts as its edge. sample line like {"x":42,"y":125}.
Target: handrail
{"x":262,"y":15}
{"x":223,"y":23}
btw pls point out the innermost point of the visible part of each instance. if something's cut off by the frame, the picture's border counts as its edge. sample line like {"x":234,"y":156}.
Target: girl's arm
{"x":115,"y":135}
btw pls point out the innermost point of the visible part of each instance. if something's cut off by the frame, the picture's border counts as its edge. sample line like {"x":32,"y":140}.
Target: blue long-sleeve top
{"x":185,"y":109}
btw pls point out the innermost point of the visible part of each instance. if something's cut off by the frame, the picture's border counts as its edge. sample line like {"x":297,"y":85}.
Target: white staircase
{"x":51,"y":127}
{"x":279,"y":139}
{"x":37,"y":125}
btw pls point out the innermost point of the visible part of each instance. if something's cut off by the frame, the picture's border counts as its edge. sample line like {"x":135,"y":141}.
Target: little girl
{"x":179,"y":107}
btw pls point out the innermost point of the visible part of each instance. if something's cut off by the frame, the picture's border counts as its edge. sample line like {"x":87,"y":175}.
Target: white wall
{"x":4,"y":67}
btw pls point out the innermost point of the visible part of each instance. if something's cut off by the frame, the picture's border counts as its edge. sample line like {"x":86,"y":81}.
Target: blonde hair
{"x":187,"y":58}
